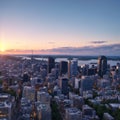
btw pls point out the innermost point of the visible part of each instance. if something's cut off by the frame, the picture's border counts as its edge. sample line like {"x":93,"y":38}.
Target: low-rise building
{"x":6,"y":110}
{"x":43,"y":111}
{"x":73,"y":114}
{"x":43,"y":97}
{"x":107,"y":116}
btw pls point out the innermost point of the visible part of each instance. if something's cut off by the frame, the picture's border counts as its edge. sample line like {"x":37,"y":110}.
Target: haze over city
{"x":80,"y":27}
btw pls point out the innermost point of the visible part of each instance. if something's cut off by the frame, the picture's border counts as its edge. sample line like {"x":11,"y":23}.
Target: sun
{"x":2,"y":49}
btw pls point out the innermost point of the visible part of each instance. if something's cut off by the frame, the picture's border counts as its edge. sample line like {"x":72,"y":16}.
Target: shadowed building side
{"x":63,"y":67}
{"x":102,"y":66}
{"x":51,"y":64}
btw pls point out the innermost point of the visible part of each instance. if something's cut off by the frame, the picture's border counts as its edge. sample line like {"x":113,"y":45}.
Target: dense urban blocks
{"x":68,"y":91}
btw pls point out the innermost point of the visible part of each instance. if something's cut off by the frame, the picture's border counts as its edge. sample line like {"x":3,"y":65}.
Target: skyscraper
{"x":64,"y":85}
{"x":63,"y":67}
{"x":86,"y":84}
{"x":51,"y":64}
{"x":102,"y":65}
{"x":74,"y":65}
{"x":69,"y":68}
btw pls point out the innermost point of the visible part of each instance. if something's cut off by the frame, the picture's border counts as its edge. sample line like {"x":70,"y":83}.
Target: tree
{"x":55,"y":112}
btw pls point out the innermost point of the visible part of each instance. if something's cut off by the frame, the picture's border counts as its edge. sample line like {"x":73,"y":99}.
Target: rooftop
{"x":73,"y":110}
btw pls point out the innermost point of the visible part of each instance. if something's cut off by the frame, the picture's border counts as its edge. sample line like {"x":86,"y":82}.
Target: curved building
{"x":102,"y":65}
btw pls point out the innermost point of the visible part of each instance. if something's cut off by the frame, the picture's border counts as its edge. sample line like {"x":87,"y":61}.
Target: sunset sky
{"x":76,"y":27}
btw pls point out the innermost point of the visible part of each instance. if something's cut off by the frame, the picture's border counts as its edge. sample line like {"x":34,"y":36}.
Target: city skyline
{"x":60,"y":27}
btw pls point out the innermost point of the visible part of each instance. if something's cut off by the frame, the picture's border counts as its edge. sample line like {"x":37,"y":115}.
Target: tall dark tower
{"x":63,"y":67}
{"x":102,"y":65}
{"x":51,"y":64}
{"x":63,"y":83}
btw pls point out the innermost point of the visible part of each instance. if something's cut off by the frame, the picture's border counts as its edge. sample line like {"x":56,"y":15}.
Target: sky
{"x":69,"y":27}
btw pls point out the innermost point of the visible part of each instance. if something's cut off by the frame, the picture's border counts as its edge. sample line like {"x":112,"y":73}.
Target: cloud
{"x":51,"y":42}
{"x":98,"y":42}
{"x":113,"y":49}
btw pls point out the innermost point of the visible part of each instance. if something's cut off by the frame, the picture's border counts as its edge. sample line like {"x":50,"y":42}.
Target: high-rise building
{"x":91,"y":71}
{"x":51,"y":64}
{"x":6,"y":106}
{"x":74,"y":65}
{"x":118,"y":68}
{"x":64,"y":85}
{"x":43,"y":111}
{"x":86,"y":84}
{"x":5,"y":111}
{"x":77,"y":83}
{"x":69,"y":68}
{"x":63,"y":67}
{"x":43,"y":97}
{"x":29,"y":93}
{"x":102,"y":65}
{"x":26,"y":77}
